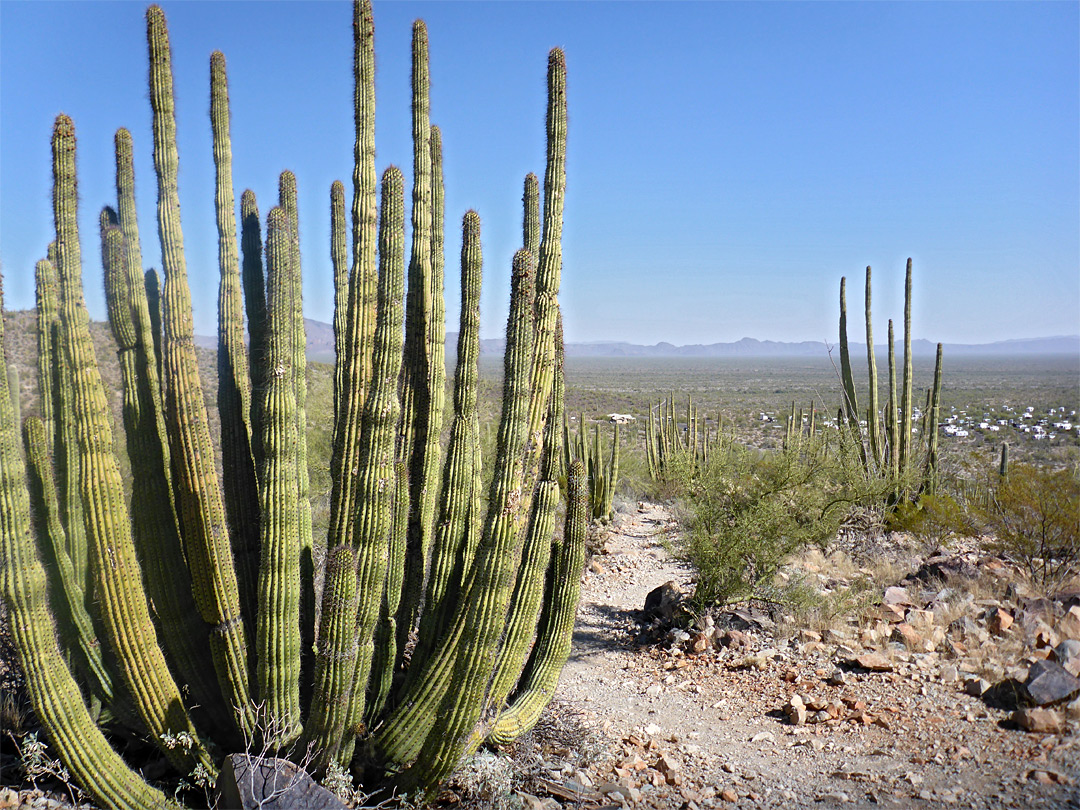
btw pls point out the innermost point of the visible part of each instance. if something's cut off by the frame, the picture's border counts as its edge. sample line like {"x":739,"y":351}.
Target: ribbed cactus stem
{"x":53,"y":692}
{"x":340,"y":263}
{"x":376,"y":489}
{"x":905,"y":403}
{"x":1003,"y":464}
{"x":556,"y":627}
{"x":76,"y":628}
{"x":452,"y":526}
{"x":255,"y":304}
{"x":241,"y":486}
{"x":467,"y":650}
{"x":931,"y":474}
{"x":47,"y":336}
{"x":549,"y":260}
{"x":363,"y":280}
{"x":375,"y":519}
{"x":156,"y":531}
{"x":202,"y":507}
{"x":851,"y":403}
{"x":871,"y":363}
{"x":893,"y":421}
{"x":145,"y":320}
{"x":117,"y":579}
{"x":530,"y":225}
{"x":278,"y":635}
{"x":421,"y":396}
{"x":298,"y":370}
{"x":487,"y":598}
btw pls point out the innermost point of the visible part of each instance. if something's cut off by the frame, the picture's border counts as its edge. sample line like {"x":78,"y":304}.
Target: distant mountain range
{"x":320,"y":340}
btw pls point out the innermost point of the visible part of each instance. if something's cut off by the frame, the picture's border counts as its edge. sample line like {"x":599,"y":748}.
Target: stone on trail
{"x":249,"y":782}
{"x":1039,"y":721}
{"x":663,"y":602}
{"x":1048,"y":682}
{"x":875,"y":662}
{"x":1067,"y":653}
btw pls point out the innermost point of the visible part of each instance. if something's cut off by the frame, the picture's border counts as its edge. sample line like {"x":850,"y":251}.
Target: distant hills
{"x":320,"y":338}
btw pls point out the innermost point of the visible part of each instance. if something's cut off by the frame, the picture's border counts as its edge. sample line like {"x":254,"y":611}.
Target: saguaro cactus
{"x":222,"y":562}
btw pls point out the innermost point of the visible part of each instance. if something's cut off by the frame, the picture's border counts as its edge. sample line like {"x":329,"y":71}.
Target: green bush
{"x":1031,"y":517}
{"x":748,"y":510}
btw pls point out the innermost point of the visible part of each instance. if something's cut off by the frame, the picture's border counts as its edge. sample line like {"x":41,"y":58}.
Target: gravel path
{"x":710,"y":729}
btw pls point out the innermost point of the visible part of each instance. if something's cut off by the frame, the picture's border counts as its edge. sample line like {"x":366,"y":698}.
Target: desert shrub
{"x":1031,"y":517}
{"x":748,"y":510}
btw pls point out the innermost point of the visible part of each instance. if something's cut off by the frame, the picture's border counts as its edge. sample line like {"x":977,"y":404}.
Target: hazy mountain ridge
{"x":320,"y":341}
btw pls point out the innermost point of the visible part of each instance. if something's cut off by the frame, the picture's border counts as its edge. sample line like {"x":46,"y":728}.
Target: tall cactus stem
{"x":202,"y":507}
{"x":234,"y":384}
{"x":872,"y":424}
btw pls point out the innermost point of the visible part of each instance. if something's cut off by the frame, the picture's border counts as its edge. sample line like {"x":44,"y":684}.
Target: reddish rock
{"x":999,"y":621}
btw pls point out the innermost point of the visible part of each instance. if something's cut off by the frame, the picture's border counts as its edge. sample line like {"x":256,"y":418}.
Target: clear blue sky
{"x":727,"y":163}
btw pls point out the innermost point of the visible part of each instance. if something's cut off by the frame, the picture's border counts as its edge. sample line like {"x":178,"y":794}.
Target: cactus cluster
{"x":602,"y":467}
{"x":885,"y":446}
{"x":187,"y":611}
{"x":671,"y":444}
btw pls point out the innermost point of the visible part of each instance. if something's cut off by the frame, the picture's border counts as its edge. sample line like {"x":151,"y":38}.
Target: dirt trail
{"x":708,"y":730}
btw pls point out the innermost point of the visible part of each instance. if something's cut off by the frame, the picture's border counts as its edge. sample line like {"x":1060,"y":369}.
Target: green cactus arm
{"x":451,"y":527}
{"x":152,"y":285}
{"x":53,"y":692}
{"x":419,"y":436}
{"x":255,"y":304}
{"x":930,"y":475}
{"x":893,"y":420}
{"x":525,"y":603}
{"x":556,"y":628}
{"x":549,"y":259}
{"x":385,"y":656}
{"x":278,"y":628}
{"x":137,"y":291}
{"x":202,"y":509}
{"x":873,"y":425}
{"x":298,"y":367}
{"x":45,"y":295}
{"x":468,"y":646}
{"x":376,"y":489}
{"x":373,"y":535}
{"x":340,"y":263}
{"x":904,"y":425}
{"x":481,"y":616}
{"x":155,"y":530}
{"x":117,"y":578}
{"x":851,"y":402}
{"x":360,"y":318}
{"x":613,"y":474}
{"x":335,"y":658}
{"x":65,"y":441}
{"x":76,"y":629}
{"x":1003,"y":464}
{"x":530,"y":225}
{"x":241,"y":485}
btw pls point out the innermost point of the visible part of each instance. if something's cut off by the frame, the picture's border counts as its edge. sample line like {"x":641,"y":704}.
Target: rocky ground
{"x":918,"y":687}
{"x":921,"y":695}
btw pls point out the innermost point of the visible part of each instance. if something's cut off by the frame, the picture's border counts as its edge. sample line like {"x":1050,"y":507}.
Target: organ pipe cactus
{"x":887,"y":454}
{"x":201,"y":594}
